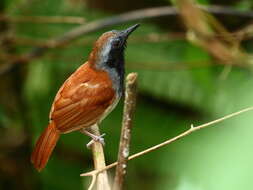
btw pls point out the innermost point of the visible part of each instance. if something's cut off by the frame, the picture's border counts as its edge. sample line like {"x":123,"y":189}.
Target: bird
{"x":88,"y":95}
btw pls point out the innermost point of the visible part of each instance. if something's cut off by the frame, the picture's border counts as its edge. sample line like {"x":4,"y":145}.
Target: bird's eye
{"x":116,"y":43}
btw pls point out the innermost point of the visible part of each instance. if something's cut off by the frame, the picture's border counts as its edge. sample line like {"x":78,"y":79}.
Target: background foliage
{"x":180,"y":84}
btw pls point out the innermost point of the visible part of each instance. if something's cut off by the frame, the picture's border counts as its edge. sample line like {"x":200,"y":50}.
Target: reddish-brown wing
{"x":82,"y":99}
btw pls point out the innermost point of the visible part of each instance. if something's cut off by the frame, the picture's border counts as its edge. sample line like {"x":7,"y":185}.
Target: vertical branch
{"x":129,"y":107}
{"x":99,"y":161}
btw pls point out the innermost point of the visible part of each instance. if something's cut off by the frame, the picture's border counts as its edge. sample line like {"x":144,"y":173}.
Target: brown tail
{"x":44,"y":146}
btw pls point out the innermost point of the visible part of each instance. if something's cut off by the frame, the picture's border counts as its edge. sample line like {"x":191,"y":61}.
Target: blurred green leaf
{"x":179,"y":85}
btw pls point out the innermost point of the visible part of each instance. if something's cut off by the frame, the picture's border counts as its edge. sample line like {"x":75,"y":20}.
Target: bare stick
{"x":99,"y":162}
{"x":111,"y":21}
{"x":93,"y":181}
{"x":187,"y":132}
{"x":45,"y":19}
{"x":204,"y":29}
{"x":215,"y":9}
{"x":129,"y":108}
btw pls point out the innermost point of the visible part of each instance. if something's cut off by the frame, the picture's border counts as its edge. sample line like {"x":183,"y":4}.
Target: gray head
{"x":109,"y":48}
{"x":108,"y":54}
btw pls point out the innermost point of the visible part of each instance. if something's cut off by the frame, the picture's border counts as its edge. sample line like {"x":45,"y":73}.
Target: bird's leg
{"x":94,"y":137}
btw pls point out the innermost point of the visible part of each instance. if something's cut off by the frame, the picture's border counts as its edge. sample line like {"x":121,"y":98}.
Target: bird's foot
{"x":95,"y":138}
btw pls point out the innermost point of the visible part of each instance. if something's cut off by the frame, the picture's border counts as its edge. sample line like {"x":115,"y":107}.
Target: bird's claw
{"x":96,"y":139}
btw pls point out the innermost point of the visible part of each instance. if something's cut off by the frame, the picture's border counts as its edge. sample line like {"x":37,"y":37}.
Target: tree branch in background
{"x":44,"y":19}
{"x":129,"y":108}
{"x":169,"y":141}
{"x":203,"y":30}
{"x":111,"y":21}
{"x":214,"y":9}
{"x":245,"y":33}
{"x":217,"y":9}
{"x":99,"y":162}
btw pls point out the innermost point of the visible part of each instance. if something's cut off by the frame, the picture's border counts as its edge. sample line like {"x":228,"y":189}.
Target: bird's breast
{"x":110,"y":109}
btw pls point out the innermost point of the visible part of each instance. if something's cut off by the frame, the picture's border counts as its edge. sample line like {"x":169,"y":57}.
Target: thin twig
{"x":215,"y":9}
{"x":111,"y":21}
{"x":45,"y":19}
{"x":129,"y":108}
{"x":187,"y":132}
{"x":203,"y":29}
{"x":93,"y":181}
{"x":245,"y":33}
{"x":99,"y":162}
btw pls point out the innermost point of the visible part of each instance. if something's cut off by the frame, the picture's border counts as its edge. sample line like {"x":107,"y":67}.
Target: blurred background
{"x":194,"y":66}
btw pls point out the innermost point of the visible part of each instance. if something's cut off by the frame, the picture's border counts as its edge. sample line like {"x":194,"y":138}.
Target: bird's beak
{"x":128,"y":31}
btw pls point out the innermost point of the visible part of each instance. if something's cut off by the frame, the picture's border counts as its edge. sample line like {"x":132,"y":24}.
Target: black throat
{"x":115,"y":64}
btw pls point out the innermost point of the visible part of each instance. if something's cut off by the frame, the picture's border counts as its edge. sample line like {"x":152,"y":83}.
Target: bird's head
{"x":108,"y":51}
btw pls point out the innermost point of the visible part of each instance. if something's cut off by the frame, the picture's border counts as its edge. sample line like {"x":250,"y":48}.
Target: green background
{"x":179,"y":84}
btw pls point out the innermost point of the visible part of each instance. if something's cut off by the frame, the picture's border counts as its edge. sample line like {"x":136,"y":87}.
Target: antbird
{"x":88,"y":95}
